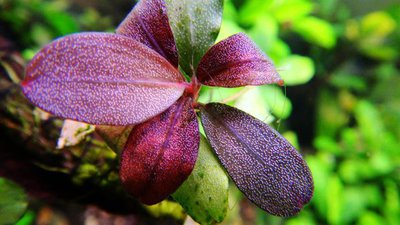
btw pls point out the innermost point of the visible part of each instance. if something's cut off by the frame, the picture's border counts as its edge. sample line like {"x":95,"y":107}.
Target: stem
{"x":194,"y":89}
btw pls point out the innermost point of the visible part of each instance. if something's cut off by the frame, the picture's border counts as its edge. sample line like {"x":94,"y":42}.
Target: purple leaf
{"x":148,"y":24}
{"x":102,"y":78}
{"x":234,"y":62}
{"x":160,"y":153}
{"x":264,"y":166}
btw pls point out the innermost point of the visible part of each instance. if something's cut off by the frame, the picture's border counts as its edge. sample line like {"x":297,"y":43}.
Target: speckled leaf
{"x":160,"y":153}
{"x":234,"y":62}
{"x":264,"y":166}
{"x":101,"y":78}
{"x":148,"y":24}
{"x":195,"y":25}
{"x":204,"y":195}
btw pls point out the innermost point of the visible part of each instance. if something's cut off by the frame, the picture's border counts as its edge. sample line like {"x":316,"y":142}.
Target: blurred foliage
{"x":13,"y":201}
{"x":353,"y":65}
{"x":340,"y":60}
{"x":34,"y":23}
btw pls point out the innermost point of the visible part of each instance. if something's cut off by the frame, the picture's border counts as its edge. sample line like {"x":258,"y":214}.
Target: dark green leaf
{"x":13,"y":202}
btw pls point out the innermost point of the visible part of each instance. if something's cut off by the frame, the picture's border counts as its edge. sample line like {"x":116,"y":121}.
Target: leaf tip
{"x":281,"y":82}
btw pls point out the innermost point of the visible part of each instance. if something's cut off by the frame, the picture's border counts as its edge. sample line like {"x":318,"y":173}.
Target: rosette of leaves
{"x":149,"y":74}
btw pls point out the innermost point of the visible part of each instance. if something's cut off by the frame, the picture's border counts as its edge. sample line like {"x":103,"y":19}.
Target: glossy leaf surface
{"x":161,"y":153}
{"x":264,"y":166}
{"x":148,"y":24}
{"x":234,"y":62}
{"x":101,"y":78}
{"x":195,"y":25}
{"x":204,"y":195}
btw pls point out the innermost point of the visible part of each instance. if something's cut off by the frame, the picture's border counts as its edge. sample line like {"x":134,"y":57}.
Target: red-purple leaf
{"x":148,"y":24}
{"x":264,"y":166}
{"x":234,"y":62}
{"x":102,"y":78}
{"x":160,"y":153}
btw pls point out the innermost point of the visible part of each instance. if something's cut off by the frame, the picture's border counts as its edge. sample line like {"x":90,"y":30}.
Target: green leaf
{"x":371,"y":218}
{"x":350,"y":140}
{"x":195,"y":25}
{"x":40,"y":34}
{"x":279,"y":104}
{"x":350,"y":81}
{"x":354,"y":202}
{"x":291,"y":10}
{"x":219,"y":94}
{"x":351,"y":170}
{"x":13,"y":201}
{"x":253,"y":102}
{"x":379,"y":51}
{"x":316,"y":31}
{"x":381,"y":162}
{"x":392,"y":204}
{"x":228,"y":28}
{"x":330,"y":116}
{"x":327,"y":144}
{"x":370,"y":123}
{"x":62,"y":22}
{"x":166,"y":208}
{"x":296,"y":70}
{"x":377,"y":25}
{"x":204,"y":195}
{"x":321,"y":167}
{"x":278,"y":51}
{"x":373,"y":195}
{"x":373,"y":35}
{"x":291,"y":136}
{"x":230,"y":12}
{"x":335,"y":200}
{"x":265,"y":32}
{"x":252,"y":10}
{"x":27,"y":219}
{"x":303,"y":218}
